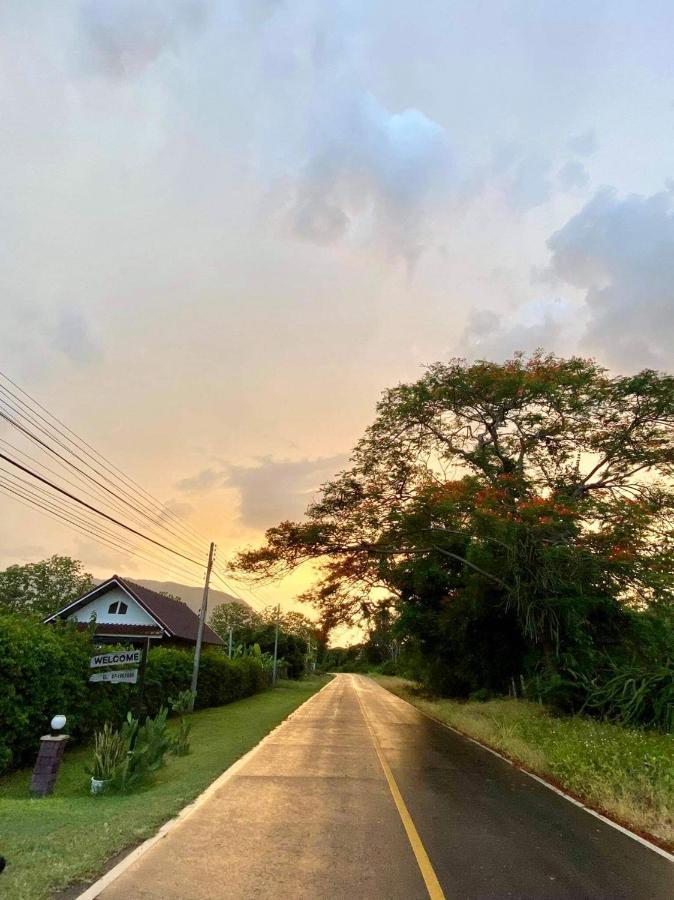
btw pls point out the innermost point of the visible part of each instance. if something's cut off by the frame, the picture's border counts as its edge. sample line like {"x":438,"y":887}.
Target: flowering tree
{"x":540,"y":488}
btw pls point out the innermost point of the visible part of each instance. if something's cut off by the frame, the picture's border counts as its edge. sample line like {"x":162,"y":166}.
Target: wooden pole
{"x":273,"y":672}
{"x":141,"y":678}
{"x":200,"y":629}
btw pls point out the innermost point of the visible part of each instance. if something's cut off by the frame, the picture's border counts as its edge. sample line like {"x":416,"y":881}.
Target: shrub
{"x":44,"y":670}
{"x":110,"y":751}
{"x":221,"y":680}
{"x":632,"y":693}
{"x":145,"y":749}
{"x":481,"y":696}
{"x":182,"y":705}
{"x":389,"y":667}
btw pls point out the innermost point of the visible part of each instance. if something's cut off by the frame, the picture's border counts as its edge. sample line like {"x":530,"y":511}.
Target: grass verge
{"x":51,"y":842}
{"x":624,"y":773}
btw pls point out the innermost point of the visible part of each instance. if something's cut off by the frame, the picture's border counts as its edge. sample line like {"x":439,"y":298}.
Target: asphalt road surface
{"x":359,"y":795}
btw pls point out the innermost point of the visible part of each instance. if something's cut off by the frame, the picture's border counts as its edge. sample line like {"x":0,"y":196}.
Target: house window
{"x":119,"y":607}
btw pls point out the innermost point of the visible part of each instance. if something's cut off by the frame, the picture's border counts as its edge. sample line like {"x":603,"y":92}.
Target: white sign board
{"x":119,"y":658}
{"x":128,"y":676}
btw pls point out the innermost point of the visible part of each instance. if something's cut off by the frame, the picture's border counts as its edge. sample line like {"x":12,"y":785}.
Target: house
{"x":127,"y":611}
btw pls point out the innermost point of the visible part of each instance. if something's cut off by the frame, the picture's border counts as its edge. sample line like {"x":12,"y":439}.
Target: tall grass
{"x":627,"y":773}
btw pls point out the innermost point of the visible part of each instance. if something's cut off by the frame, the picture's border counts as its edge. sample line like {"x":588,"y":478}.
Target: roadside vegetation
{"x":626,"y":773}
{"x":45,"y":669}
{"x":54,"y":841}
{"x":131,"y":762}
{"x":505,"y":528}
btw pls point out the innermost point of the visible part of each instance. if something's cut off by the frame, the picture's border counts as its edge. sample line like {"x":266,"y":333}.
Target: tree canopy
{"x":41,"y":588}
{"x":522,"y":500}
{"x":236,"y":616}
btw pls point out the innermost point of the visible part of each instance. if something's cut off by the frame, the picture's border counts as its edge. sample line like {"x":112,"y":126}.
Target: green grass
{"x":50,"y":842}
{"x":626,"y":773}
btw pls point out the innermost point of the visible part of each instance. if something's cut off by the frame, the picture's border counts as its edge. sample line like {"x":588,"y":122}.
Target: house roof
{"x":176,"y":619}
{"x":110,"y":629}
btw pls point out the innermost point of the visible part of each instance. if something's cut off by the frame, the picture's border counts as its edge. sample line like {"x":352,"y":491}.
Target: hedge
{"x":44,"y":670}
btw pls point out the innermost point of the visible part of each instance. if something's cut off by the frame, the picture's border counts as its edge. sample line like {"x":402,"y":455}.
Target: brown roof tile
{"x":175,"y":616}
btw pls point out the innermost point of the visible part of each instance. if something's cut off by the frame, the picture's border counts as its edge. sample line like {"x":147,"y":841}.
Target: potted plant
{"x":110,"y":750}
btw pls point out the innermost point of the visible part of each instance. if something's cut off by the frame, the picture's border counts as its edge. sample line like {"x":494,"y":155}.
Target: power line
{"x":94,"y":509}
{"x":38,"y":494}
{"x":107,"y":464}
{"x":149,"y":509}
{"x":94,"y":493}
{"x":45,"y":446}
{"x":230,"y":589}
{"x":92,"y":534}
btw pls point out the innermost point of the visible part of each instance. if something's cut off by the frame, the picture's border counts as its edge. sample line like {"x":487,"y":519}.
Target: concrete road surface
{"x":359,"y":795}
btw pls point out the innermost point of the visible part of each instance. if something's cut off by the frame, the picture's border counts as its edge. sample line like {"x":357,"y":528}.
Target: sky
{"x":228,"y":226}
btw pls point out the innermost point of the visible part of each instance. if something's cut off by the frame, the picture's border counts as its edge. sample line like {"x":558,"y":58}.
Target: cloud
{"x":370,"y":171}
{"x":620,"y":253}
{"x":529,"y":184}
{"x":202,"y":481}
{"x":583,"y":144}
{"x":179,"y":508}
{"x":270,"y":490}
{"x":547,"y":324}
{"x":573,"y":176}
{"x":522,"y":176}
{"x":123,"y":37}
{"x":273,"y":490}
{"x":73,"y":336}
{"x":35,"y":338}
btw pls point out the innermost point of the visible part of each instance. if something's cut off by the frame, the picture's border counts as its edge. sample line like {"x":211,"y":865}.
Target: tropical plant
{"x":155,"y":735}
{"x":182,"y":705}
{"x":632,"y":693}
{"x":146,"y":748}
{"x":110,"y":749}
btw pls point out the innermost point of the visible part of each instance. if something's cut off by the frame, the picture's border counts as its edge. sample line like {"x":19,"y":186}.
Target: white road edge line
{"x":106,"y":880}
{"x":552,"y":787}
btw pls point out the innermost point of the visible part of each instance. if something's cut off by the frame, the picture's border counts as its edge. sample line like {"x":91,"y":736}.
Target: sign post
{"x":141,"y":678}
{"x":121,"y":676}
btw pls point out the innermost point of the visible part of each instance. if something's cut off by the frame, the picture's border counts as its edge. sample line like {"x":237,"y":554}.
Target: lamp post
{"x":49,"y":758}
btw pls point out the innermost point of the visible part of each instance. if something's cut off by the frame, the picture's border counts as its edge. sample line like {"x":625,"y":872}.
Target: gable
{"x":135,"y":614}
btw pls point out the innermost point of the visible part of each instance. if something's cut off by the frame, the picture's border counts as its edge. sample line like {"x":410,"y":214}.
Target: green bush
{"x":632,"y":693}
{"x":389,"y":667}
{"x":44,"y":670}
{"x":221,"y":680}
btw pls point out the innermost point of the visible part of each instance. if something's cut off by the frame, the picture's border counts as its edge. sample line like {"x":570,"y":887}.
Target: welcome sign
{"x":120,"y":658}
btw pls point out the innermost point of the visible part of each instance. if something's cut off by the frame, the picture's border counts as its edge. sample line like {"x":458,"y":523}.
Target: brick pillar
{"x":47,"y":765}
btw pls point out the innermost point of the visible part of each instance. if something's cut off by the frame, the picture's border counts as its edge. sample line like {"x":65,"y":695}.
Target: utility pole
{"x":200,"y":630}
{"x":273,"y":672}
{"x":230,"y":641}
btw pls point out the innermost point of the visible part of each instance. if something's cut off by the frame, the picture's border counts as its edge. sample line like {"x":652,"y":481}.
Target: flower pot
{"x":98,"y":785}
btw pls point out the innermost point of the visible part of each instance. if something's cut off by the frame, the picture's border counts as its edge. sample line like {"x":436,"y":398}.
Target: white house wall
{"x":135,"y":614}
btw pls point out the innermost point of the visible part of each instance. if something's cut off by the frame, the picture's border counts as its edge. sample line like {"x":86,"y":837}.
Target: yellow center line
{"x":435,"y":892}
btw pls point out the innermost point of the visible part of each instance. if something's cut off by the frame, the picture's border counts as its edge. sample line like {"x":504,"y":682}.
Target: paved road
{"x":358,"y":795}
